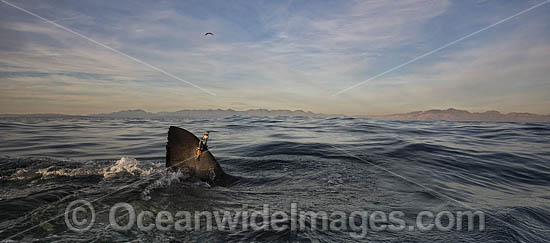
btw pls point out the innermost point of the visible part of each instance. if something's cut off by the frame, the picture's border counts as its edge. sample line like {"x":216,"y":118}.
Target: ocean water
{"x":321,"y":164}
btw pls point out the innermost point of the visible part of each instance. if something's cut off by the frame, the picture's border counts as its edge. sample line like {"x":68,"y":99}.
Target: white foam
{"x":21,"y":174}
{"x":126,"y":165}
{"x":51,"y":171}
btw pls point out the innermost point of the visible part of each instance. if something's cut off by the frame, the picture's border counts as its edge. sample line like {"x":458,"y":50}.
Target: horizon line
{"x":271,"y":110}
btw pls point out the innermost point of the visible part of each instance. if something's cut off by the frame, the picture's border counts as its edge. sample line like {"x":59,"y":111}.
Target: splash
{"x":49,"y":172}
{"x":127,"y":165}
{"x":166,"y":179}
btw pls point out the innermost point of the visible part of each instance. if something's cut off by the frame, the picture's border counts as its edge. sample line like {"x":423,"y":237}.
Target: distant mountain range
{"x":462,"y":115}
{"x":209,"y":113}
{"x":429,"y":115}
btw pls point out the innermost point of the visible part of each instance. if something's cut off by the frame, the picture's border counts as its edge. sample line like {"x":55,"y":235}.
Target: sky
{"x":104,"y":56}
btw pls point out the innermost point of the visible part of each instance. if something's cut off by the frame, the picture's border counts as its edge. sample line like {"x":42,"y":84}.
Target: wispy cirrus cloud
{"x":508,"y":75}
{"x":278,"y":55}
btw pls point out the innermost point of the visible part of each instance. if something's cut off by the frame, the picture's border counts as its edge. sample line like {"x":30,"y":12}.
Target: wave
{"x":322,"y":163}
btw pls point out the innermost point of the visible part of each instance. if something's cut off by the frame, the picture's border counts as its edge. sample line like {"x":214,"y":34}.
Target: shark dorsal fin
{"x":181,"y":152}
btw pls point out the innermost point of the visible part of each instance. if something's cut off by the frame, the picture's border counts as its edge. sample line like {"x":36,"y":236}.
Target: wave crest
{"x":127,"y":165}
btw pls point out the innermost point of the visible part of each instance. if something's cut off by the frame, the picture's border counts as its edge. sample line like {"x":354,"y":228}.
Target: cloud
{"x":284,"y":54}
{"x":509,"y":75}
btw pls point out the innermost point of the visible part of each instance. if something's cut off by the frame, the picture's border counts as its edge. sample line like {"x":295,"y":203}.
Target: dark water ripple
{"x":324,"y":164}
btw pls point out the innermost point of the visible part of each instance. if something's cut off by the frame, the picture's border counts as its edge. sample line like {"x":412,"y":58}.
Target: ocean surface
{"x":321,"y":164}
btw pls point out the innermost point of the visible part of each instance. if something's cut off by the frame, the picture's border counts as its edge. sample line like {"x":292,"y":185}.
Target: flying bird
{"x":208,"y":33}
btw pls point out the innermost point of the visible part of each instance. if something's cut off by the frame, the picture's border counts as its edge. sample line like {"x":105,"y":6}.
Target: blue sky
{"x":274,"y":55}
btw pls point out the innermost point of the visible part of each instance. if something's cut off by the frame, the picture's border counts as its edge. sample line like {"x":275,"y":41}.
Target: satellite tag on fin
{"x":185,"y":150}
